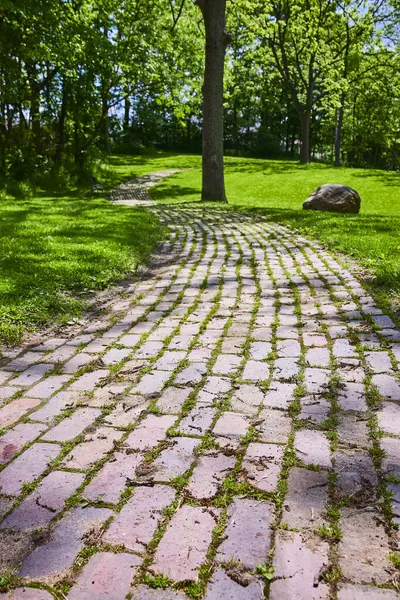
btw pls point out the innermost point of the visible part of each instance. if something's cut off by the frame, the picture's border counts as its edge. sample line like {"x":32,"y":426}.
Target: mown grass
{"x":277,"y":190}
{"x":55,"y":249}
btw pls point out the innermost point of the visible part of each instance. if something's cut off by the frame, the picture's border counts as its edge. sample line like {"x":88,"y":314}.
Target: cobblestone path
{"x":230,"y":431}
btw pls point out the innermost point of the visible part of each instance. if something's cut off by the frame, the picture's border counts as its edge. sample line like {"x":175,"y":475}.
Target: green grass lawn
{"x":277,"y":189}
{"x":54,"y":249}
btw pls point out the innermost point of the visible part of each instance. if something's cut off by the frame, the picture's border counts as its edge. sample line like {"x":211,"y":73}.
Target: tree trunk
{"x":305,"y":137}
{"x":61,"y":123}
{"x":338,"y":131}
{"x":213,"y":92}
{"x":105,"y":123}
{"x":127,"y":110}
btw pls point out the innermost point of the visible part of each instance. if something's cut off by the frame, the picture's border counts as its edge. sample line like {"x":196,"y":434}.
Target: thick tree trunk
{"x":127,"y":110}
{"x":338,"y":131}
{"x":213,"y":91}
{"x":305,"y":137}
{"x":61,"y":123}
{"x":105,"y":123}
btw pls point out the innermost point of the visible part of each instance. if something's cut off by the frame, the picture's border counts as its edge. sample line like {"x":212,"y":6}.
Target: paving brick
{"x":307,"y":495}
{"x":350,"y":369}
{"x":115,"y":355}
{"x":217,"y":385}
{"x":316,"y":380}
{"x":365,"y":592}
{"x":72,"y":426}
{"x":231,"y":425}
{"x":312,"y":340}
{"x":275,"y":426}
{"x":314,"y":409}
{"x":172,"y":400}
{"x":352,"y":397}
{"x":247,"y":399}
{"x":298,"y":562}
{"x":318,"y":357}
{"x":113,"y":477}
{"x":363,"y":550}
{"x":23,"y":362}
{"x":51,"y":559}
{"x":32,"y":375}
{"x":387,"y":386}
{"x":192,"y":375}
{"x":279,"y":395}
{"x":127,"y":411}
{"x":312,"y":448}
{"x":260,"y":350}
{"x":262,"y":464}
{"x":286,"y":368}
{"x":7,"y":392}
{"x":388,"y":418}
{"x":391,"y":460}
{"x":353,"y":431}
{"x":356,"y":476}
{"x":77,"y":362}
{"x":343,"y":349}
{"x":88,"y":381}
{"x":105,"y":576}
{"x":48,"y":387}
{"x":50,"y":344}
{"x":208,"y":474}
{"x":176,"y":459}
{"x":170,"y":360}
{"x":152,"y":383}
{"x":247,"y":535}
{"x":45,"y":503}
{"x":184,"y":546}
{"x":61,"y":354}
{"x":256,"y":370}
{"x":27,"y":467}
{"x":25,"y":593}
{"x":288,"y":348}
{"x":55,"y":406}
{"x":379,"y":362}
{"x":149,"y":350}
{"x":80,"y":339}
{"x":198,"y":420}
{"x":135,"y":525}
{"x":227,"y":364}
{"x":94,"y":447}
{"x":13,"y":411}
{"x":222,"y":586}
{"x":150,"y":431}
{"x":383,"y":321}
{"x":14,"y":440}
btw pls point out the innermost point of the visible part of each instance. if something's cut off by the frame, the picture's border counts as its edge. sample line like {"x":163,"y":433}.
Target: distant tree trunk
{"x":338,"y":130}
{"x":105,"y":122}
{"x":305,"y":137}
{"x":61,"y":122}
{"x":127,"y":110}
{"x":213,"y":188}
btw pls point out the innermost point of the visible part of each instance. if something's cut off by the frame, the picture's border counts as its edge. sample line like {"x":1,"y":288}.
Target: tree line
{"x":318,"y":78}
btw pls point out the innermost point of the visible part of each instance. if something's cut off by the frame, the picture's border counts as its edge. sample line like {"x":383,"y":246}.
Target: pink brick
{"x":32,"y":375}
{"x":95,"y":446}
{"x":184,"y":546}
{"x":222,"y":587}
{"x":105,"y":576}
{"x":279,"y":395}
{"x":297,"y":564}
{"x":388,"y":418}
{"x":14,"y":440}
{"x":365,"y":592}
{"x":150,"y":432}
{"x":231,"y":425}
{"x":304,"y":505}
{"x":16,"y":409}
{"x":141,"y":592}
{"x":46,"y":501}
{"x":77,"y":362}
{"x":218,"y":385}
{"x":152,"y":383}
{"x":116,"y":355}
{"x":170,"y":360}
{"x":27,"y":467}
{"x":111,"y":480}
{"x":247,"y":399}
{"x":88,"y":381}
{"x":72,"y":426}
{"x":173,"y":399}
{"x":127,"y":411}
{"x":23,"y":362}
{"x":50,"y":344}
{"x":62,"y":354}
{"x":66,"y":541}
{"x":198,"y":420}
{"x":247,"y":536}
{"x":255,"y":370}
{"x":135,"y":525}
{"x":55,"y":406}
{"x":176,"y":459}
{"x":208,"y":474}
{"x":275,"y":426}
{"x":262,"y":465}
{"x":46,"y":388}
{"x":312,"y":448}
{"x":7,"y":392}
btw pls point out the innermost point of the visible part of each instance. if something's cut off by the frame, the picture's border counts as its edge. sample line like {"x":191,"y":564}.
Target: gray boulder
{"x":332,"y":197}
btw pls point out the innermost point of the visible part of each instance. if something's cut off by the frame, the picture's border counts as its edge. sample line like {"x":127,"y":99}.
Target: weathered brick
{"x":247,"y":535}
{"x":260,"y":350}
{"x":25,"y":593}
{"x":48,"y":387}
{"x":356,"y":476}
{"x":198,"y":420}
{"x":141,"y":592}
{"x":152,"y":383}
{"x":170,"y":360}
{"x":353,"y":431}
{"x":135,"y":525}
{"x":6,"y":393}
{"x":288,"y":348}
{"x":261,"y":465}
{"x":184,"y":546}
{"x":115,"y":355}
{"x":318,"y":357}
{"x":149,"y":350}
{"x":363,"y":549}
{"x":312,"y":448}
{"x":50,"y":344}
{"x":307,"y":495}
{"x":176,"y":459}
{"x":45,"y":503}
{"x":27,"y":467}
{"x":127,"y":411}
{"x":14,"y":440}
{"x":77,"y":362}
{"x":105,"y":576}
{"x":365,"y":592}
{"x":113,"y":477}
{"x":51,"y":559}
{"x":62,"y":354}
{"x":31,"y":375}
{"x":172,"y":400}
{"x":297,"y":565}
{"x":150,"y":432}
{"x":231,"y":425}
{"x":227,"y":364}
{"x":387,"y":386}
{"x":391,"y":460}
{"x":208,"y":474}
{"x":247,"y":399}
{"x":316,"y":380}
{"x":275,"y":426}
{"x":23,"y":362}
{"x":255,"y":370}
{"x":221,"y":586}
{"x":286,"y":368}
{"x":13,"y":411}
{"x":192,"y":375}
{"x":379,"y":362}
{"x":72,"y":426}
{"x":88,"y":381}
{"x":388,"y":418}
{"x":94,"y":447}
{"x":352,"y":397}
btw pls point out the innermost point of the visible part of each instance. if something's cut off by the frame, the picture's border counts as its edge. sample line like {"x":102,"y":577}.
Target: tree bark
{"x":213,"y":187}
{"x":338,"y":130}
{"x":61,"y":123}
{"x":305,"y":137}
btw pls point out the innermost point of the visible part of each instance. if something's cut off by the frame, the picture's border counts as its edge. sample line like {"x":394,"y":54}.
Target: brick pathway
{"x":230,"y":431}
